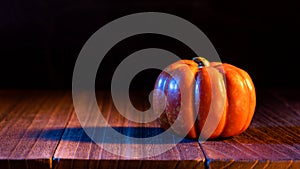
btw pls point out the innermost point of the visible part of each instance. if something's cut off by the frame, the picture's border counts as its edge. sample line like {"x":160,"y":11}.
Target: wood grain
{"x":76,"y":150}
{"x":25,"y":126}
{"x":271,"y":141}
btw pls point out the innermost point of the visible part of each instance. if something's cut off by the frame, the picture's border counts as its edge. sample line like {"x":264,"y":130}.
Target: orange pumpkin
{"x":221,"y":93}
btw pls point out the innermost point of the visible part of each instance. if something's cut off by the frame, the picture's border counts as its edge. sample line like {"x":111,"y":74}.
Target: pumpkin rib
{"x":236,"y":100}
{"x":218,"y":101}
{"x":165,"y":123}
{"x":251,"y":94}
{"x":202,"y":98}
{"x":219,"y":67}
{"x":185,"y":70}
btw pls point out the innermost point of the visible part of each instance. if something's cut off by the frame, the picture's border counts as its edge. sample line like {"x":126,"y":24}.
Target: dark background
{"x":40,"y":40}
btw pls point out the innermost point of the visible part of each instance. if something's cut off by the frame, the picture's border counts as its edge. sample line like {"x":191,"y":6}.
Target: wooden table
{"x":39,"y":129}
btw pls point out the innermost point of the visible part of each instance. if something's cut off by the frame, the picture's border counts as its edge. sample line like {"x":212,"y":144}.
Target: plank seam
{"x":54,"y":160}
{"x":206,"y":159}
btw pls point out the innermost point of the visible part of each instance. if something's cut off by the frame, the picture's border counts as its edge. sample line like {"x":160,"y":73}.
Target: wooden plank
{"x":8,"y":100}
{"x":271,"y":141}
{"x":76,"y":150}
{"x":31,"y":130}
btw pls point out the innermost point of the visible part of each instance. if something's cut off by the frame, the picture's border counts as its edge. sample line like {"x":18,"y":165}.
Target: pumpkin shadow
{"x":287,"y":135}
{"x":220,"y":139}
{"x":79,"y":134}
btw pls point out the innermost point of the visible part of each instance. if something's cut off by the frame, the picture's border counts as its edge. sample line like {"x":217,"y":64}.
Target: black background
{"x":40,"y":40}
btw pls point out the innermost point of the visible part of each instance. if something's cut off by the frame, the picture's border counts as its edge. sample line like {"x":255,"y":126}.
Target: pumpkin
{"x":199,"y":94}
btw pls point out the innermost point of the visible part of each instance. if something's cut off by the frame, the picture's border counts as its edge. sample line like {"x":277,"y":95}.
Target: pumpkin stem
{"x":201,"y":61}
